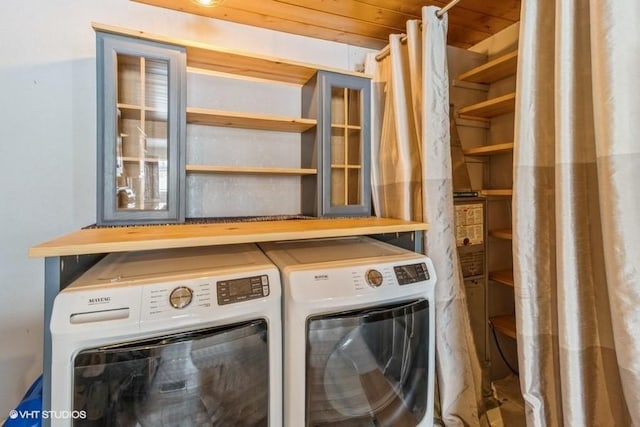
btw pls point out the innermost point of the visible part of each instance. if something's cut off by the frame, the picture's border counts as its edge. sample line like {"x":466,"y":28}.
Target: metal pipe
{"x":440,"y":13}
{"x":445,"y":9}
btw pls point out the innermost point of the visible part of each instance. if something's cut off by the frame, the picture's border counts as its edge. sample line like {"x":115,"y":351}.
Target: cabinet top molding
{"x":147,"y":237}
{"x":214,"y":58}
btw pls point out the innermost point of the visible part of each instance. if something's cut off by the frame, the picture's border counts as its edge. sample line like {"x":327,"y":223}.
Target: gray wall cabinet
{"x":141,"y":125}
{"x":340,"y":146}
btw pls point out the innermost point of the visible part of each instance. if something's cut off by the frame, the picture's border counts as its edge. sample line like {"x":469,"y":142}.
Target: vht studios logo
{"x":44,"y":415}
{"x":99,"y":300}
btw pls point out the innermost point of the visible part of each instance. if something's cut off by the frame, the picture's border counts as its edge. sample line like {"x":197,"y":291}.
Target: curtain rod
{"x":440,"y":13}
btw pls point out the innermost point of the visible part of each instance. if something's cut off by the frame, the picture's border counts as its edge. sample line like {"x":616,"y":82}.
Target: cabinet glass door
{"x":346,"y":151}
{"x":346,"y":146}
{"x":142,"y":142}
{"x":140,"y":110}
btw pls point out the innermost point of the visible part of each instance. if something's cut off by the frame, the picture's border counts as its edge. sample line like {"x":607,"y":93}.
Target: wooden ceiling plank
{"x":268,"y":22}
{"x":360,"y":11}
{"x":298,"y":14}
{"x":366,"y":23}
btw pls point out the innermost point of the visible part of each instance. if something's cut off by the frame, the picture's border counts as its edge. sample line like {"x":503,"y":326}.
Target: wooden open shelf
{"x":146,"y":237}
{"x":490,"y":108}
{"x":212,"y":58}
{"x":489,"y":150}
{"x":249,"y":170}
{"x":202,"y":116}
{"x":503,"y":233}
{"x":497,"y":192}
{"x":494,"y":70}
{"x":504,"y":277}
{"x":505,"y":324}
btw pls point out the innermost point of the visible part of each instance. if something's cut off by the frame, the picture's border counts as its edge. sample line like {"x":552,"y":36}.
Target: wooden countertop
{"x":145,"y":237}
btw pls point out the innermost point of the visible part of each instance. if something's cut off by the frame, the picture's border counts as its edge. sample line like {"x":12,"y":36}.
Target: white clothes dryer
{"x":178,"y":337}
{"x":358,"y":323}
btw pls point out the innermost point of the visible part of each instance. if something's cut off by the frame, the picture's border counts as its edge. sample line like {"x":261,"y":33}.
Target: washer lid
{"x":143,"y":266}
{"x":305,"y":252}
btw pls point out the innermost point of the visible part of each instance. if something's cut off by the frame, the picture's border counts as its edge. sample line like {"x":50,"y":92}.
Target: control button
{"x":265,"y":291}
{"x":373,"y":278}
{"x":180,"y":297}
{"x":265,"y":280}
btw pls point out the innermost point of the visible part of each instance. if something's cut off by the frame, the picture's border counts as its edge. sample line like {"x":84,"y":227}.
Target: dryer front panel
{"x":368,"y":367}
{"x":211,"y":377}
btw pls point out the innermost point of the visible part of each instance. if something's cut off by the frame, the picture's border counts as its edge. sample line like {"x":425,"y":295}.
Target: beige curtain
{"x":577,"y":212}
{"x":412,"y":180}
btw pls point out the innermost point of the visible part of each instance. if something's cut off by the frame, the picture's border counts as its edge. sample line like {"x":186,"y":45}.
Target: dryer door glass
{"x":368,"y":367}
{"x":211,"y":377}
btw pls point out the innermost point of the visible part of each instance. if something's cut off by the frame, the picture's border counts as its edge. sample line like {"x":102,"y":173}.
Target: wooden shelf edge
{"x":250,"y":170}
{"x":214,"y":58}
{"x":505,"y":324}
{"x":490,"y":108}
{"x":504,"y":234}
{"x":489,"y":150}
{"x":504,"y":277}
{"x":203,"y":116}
{"x":148,"y":237}
{"x":494,"y":70}
{"x":497,"y":192}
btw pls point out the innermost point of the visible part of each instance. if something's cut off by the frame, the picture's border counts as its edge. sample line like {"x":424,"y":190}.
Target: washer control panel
{"x":246,"y":288}
{"x":411,"y":273}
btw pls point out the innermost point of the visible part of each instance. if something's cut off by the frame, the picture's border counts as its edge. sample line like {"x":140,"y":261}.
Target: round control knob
{"x":180,"y":297}
{"x":374,"y":278}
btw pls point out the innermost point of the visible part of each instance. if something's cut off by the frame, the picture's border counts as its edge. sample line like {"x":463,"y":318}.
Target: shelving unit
{"x":489,"y":150}
{"x":340,"y":180}
{"x":504,"y":277}
{"x":492,"y":71}
{"x":504,"y":234}
{"x":505,"y":324}
{"x":495,"y":156}
{"x":490,"y":108}
{"x":497,"y":192}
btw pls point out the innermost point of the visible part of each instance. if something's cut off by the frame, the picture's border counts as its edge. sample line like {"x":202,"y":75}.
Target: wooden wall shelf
{"x":497,"y":192}
{"x":136,"y":238}
{"x":494,"y":70}
{"x":249,"y":170}
{"x":504,"y":277}
{"x":202,"y":116}
{"x":213,"y":58}
{"x":505,"y":324}
{"x":490,"y":108}
{"x":505,"y":234}
{"x":489,"y":150}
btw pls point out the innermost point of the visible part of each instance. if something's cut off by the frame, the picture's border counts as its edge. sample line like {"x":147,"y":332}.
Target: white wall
{"x":48,"y":142}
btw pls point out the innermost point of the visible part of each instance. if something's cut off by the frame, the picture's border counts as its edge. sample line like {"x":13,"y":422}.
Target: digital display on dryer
{"x":412,"y":273}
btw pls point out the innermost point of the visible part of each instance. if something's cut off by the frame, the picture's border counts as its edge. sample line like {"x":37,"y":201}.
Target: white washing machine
{"x":180,"y":337}
{"x":358,"y":333}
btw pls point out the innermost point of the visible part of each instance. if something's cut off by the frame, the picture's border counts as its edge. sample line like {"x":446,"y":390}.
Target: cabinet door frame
{"x":108,"y":46}
{"x":327,"y":81}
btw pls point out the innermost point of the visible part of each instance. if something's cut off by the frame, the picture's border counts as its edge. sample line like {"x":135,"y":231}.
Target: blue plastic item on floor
{"x":28,"y":412}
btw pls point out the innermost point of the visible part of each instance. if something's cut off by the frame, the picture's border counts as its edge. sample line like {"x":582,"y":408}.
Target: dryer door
{"x":209,"y":377}
{"x":368,"y":367}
